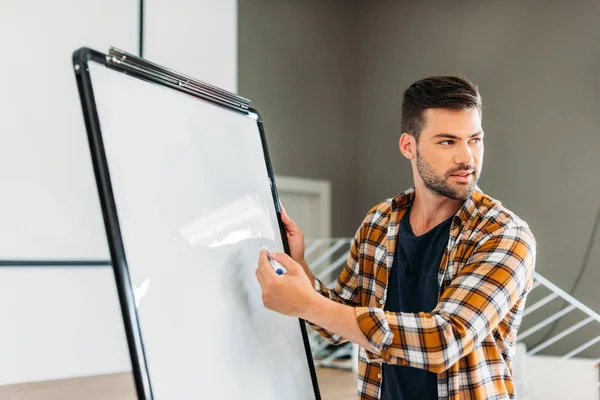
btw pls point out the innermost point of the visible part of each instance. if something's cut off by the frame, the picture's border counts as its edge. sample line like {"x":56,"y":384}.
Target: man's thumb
{"x":289,"y":223}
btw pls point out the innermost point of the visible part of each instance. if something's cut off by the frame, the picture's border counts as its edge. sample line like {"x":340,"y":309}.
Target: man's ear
{"x":408,"y":146}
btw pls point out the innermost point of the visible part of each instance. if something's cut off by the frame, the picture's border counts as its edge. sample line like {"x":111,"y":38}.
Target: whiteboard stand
{"x":104,"y":81}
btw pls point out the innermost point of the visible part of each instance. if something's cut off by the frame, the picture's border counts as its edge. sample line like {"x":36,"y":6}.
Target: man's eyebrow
{"x":451,"y":136}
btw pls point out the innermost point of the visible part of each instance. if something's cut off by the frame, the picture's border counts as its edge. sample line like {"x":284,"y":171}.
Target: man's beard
{"x":442,"y":186}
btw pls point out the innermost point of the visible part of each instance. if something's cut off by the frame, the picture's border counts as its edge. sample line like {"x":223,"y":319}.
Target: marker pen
{"x":279,"y":269}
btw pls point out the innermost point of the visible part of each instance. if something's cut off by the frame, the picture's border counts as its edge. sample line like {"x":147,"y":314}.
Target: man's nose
{"x":463,"y":155}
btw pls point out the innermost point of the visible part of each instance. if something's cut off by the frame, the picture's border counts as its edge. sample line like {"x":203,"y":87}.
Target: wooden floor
{"x":335,"y":384}
{"x":99,"y":387}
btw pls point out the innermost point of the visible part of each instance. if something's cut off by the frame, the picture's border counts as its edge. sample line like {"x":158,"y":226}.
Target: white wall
{"x":549,"y":378}
{"x":197,"y":38}
{"x":56,"y":322}
{"x":61,"y":322}
{"x":48,"y":207}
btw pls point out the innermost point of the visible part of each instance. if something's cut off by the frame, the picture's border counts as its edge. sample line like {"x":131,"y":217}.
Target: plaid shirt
{"x":469,"y":338}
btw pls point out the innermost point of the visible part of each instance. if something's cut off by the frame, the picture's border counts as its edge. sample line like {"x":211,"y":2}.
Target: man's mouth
{"x":463,"y":176}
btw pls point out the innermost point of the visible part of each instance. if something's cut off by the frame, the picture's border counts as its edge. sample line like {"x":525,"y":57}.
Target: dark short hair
{"x":452,"y":92}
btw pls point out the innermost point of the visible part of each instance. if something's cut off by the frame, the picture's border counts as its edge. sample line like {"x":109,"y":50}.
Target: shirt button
{"x":379,"y":376}
{"x":381,"y":301}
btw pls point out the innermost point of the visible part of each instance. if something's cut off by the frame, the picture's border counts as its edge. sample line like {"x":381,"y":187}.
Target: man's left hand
{"x":290,"y":294}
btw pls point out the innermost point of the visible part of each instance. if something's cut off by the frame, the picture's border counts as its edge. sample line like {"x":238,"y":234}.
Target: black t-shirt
{"x":412,"y":288}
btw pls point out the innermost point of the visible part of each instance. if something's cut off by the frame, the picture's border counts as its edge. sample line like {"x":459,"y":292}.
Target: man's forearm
{"x":337,"y":318}
{"x":333,"y":316}
{"x":307,"y":270}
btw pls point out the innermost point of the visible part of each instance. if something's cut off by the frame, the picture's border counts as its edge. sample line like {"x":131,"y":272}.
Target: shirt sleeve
{"x":497,"y":275}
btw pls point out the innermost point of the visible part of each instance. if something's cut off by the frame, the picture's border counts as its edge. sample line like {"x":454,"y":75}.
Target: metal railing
{"x":548,"y":354}
{"x":326,"y":258}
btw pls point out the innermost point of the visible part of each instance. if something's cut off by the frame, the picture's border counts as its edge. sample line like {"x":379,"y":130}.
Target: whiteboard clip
{"x":143,"y":68}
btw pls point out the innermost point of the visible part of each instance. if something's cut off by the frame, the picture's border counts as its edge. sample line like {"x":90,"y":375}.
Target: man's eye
{"x":476,"y":140}
{"x":446,"y":142}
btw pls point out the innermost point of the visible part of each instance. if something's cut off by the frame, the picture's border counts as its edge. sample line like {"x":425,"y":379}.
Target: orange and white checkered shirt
{"x":469,"y":338}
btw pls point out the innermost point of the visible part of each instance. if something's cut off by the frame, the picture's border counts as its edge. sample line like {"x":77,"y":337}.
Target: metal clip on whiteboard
{"x":148,"y":70}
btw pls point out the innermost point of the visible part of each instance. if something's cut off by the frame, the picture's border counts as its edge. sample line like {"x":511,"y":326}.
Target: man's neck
{"x":429,"y":209}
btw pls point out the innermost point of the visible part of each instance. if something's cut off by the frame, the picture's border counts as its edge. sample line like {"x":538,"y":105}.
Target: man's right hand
{"x":295,"y":239}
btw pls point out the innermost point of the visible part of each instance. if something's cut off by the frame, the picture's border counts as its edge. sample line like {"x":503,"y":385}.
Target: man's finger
{"x":260,"y":277}
{"x":285,"y":217}
{"x":265,"y":267}
{"x":282,"y":208}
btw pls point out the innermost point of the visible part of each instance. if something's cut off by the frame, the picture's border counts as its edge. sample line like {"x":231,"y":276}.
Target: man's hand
{"x":290,"y":294}
{"x":295,"y":239}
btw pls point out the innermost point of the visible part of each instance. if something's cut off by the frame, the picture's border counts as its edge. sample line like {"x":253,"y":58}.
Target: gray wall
{"x":293,"y":64}
{"x":536,"y":63}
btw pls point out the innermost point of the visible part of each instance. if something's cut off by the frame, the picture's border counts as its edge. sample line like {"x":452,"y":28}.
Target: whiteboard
{"x":193,"y":196}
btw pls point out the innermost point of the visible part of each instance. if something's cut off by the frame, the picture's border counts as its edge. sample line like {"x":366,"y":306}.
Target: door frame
{"x":319,"y":187}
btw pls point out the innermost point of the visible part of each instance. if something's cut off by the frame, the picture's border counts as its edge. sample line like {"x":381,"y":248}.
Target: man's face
{"x":449,"y":153}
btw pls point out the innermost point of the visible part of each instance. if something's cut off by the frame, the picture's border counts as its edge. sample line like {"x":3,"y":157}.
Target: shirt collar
{"x":405,"y":199}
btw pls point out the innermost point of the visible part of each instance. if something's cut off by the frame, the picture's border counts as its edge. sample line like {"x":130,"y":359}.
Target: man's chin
{"x":460,"y":191}
{"x":453,"y":190}
{"x":464,"y":192}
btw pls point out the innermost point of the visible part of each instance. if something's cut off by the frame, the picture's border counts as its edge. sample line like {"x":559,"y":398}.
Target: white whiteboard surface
{"x":194,"y":203}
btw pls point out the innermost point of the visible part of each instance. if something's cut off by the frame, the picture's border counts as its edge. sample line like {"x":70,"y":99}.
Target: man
{"x":437,"y":277}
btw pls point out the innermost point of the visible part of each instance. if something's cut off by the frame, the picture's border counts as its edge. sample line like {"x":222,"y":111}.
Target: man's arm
{"x":342,"y":298}
{"x":330,"y":316}
{"x":307,"y":270}
{"x":496,"y":276}
{"x":346,"y":289}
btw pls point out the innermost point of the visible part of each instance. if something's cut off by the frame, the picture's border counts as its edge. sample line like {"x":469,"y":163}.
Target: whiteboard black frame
{"x":81,"y":57}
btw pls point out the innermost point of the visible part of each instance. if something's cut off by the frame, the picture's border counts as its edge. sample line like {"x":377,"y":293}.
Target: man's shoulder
{"x":491,"y":216}
{"x":383,"y":208}
{"x":504,"y":231}
{"x":379,"y":216}
{"x":381,"y":212}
